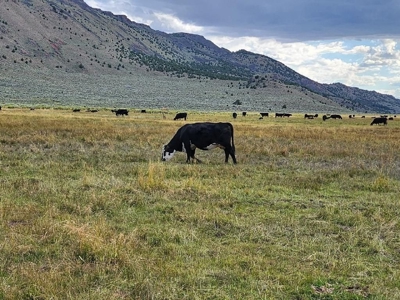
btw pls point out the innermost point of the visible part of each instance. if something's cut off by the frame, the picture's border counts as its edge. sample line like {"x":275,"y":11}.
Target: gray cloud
{"x":285,"y":20}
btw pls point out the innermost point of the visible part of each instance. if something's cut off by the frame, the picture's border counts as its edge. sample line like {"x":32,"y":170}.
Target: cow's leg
{"x":195,"y":158}
{"x":230,"y":151}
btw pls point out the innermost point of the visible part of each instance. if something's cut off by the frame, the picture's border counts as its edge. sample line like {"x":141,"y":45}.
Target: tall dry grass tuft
{"x":151,"y":176}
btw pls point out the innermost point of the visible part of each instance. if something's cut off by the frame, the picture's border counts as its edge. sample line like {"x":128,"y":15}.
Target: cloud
{"x":172,"y":24}
{"x":284,"y":20}
{"x":354,"y":42}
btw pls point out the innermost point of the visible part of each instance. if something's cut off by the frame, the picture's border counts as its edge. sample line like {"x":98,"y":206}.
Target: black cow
{"x":264,"y":114}
{"x":234,"y":115}
{"x":181,"y":116}
{"x":244,"y":113}
{"x":281,"y":115}
{"x":336,"y":117}
{"x":380,"y":120}
{"x":120,"y":112}
{"x":307,"y":116}
{"x":205,"y":136}
{"x":143,"y":111}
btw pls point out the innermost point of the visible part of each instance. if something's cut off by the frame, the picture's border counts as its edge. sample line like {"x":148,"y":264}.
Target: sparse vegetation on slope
{"x":71,"y":37}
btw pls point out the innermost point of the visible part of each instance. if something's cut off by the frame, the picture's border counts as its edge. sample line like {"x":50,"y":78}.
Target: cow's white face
{"x":167,"y":154}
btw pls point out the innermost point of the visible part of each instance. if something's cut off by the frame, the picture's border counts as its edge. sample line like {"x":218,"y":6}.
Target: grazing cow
{"x":234,"y":115}
{"x":76,"y":110}
{"x":181,"y":116}
{"x":281,"y":115}
{"x":143,"y":111}
{"x":121,"y":112}
{"x":264,"y":114}
{"x":244,"y":114}
{"x":205,"y":136}
{"x":336,"y":117}
{"x":380,"y":120}
{"x":307,"y":116}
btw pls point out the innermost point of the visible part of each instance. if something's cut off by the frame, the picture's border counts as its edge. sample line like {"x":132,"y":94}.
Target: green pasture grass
{"x":88,"y":210}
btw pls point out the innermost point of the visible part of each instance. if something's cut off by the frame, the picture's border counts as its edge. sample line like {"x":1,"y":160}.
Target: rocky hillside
{"x":68,"y":36}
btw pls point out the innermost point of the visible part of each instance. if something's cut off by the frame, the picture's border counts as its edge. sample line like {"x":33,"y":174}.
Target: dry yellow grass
{"x":88,"y":211}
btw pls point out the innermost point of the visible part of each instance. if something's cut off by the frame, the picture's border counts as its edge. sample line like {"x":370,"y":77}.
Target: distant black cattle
{"x":234,"y":115}
{"x":307,"y":116}
{"x":244,"y":114}
{"x":143,"y":111}
{"x":381,"y":120}
{"x":76,"y":110}
{"x":205,"y":136}
{"x":181,"y":116}
{"x":264,"y":114}
{"x":281,"y":115}
{"x":120,"y":112}
{"x":336,"y":117}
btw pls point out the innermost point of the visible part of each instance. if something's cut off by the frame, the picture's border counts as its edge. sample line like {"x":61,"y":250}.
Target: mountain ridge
{"x":70,"y":36}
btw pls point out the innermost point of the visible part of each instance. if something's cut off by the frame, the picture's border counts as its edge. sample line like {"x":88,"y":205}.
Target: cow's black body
{"x":181,"y":116}
{"x":264,"y":114}
{"x":336,"y":117}
{"x":308,"y":116}
{"x":204,"y":136}
{"x":379,"y":121}
{"x":281,"y":115}
{"x":120,"y":112}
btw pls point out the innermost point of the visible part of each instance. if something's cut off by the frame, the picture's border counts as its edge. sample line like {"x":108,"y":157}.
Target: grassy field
{"x":88,"y":211}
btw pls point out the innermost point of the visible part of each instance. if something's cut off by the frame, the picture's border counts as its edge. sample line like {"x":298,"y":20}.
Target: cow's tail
{"x":233,"y":143}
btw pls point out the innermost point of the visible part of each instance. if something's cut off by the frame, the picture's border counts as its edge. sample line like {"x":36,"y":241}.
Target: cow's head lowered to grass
{"x":205,"y":136}
{"x":167,"y":153}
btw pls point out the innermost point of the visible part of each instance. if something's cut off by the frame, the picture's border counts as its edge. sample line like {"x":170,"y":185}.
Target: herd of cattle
{"x":183,"y":115}
{"x":207,"y":135}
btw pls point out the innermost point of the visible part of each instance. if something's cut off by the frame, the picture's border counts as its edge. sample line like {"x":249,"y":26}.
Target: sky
{"x":355,"y":42}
